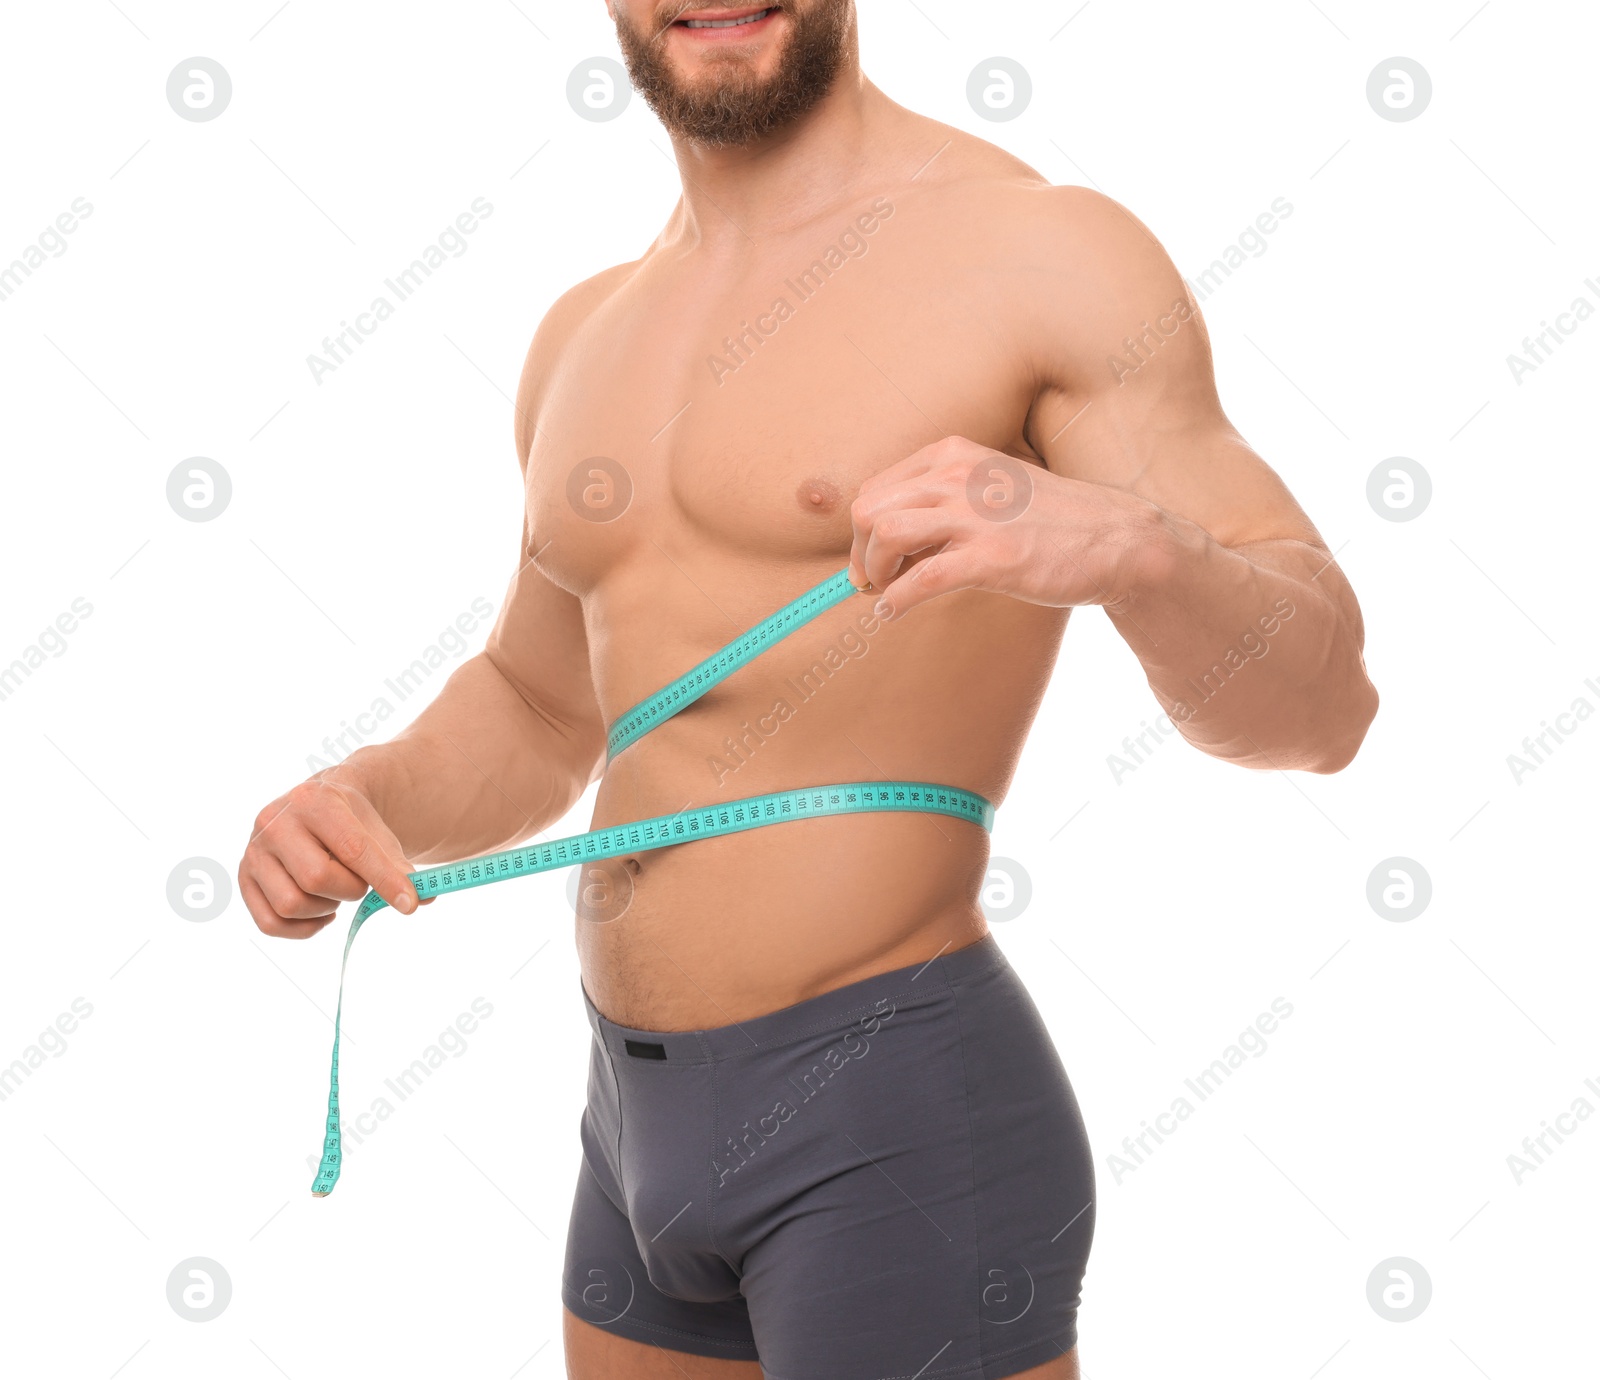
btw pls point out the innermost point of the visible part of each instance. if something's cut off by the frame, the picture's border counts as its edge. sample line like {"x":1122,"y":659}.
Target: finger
{"x":903,"y":533}
{"x":942,"y":573}
{"x":869,"y":510}
{"x":334,"y":824}
{"x":311,"y":866}
{"x":268,"y":921}
{"x":912,"y":482}
{"x":288,"y":899}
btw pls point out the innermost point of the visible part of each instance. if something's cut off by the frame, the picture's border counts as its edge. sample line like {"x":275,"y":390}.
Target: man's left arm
{"x":1152,"y":506}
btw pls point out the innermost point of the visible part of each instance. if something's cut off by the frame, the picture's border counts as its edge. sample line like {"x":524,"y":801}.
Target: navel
{"x":818,"y":496}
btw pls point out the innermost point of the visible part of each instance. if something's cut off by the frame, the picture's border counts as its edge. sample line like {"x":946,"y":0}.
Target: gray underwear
{"x":885,"y":1182}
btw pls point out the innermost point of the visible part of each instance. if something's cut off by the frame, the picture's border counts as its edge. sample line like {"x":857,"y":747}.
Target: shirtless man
{"x":827,"y":1136}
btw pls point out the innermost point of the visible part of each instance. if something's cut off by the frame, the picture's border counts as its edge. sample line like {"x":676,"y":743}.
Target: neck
{"x":784,"y":178}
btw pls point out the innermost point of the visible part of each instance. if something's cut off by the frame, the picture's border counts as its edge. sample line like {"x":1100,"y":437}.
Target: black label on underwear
{"x":643,"y":1049}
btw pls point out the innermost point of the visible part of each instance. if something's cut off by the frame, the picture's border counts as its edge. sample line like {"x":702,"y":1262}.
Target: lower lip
{"x":733,"y":34}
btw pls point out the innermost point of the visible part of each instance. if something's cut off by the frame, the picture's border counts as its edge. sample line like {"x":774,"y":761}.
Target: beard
{"x":731,"y":105}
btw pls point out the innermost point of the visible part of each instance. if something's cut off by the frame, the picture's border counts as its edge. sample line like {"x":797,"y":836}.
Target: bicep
{"x":1127,"y":394}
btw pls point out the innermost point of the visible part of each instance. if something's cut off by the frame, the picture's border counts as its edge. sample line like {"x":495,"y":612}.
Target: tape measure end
{"x":316,"y":1194}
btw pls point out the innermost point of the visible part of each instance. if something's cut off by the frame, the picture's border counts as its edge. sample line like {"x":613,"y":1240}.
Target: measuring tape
{"x":712,"y":821}
{"x":717,"y":667}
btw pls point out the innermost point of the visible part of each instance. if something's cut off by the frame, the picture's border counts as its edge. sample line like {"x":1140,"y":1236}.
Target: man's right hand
{"x":320,"y":843}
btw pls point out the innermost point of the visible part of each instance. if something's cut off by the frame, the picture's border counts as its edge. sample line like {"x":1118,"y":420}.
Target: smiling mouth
{"x":755,"y":16}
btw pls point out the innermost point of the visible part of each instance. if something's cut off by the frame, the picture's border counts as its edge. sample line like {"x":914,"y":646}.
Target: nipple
{"x":818,"y":496}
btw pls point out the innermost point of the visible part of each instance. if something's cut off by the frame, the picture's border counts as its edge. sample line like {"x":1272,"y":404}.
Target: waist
{"x":890,"y":987}
{"x":736,"y":926}
{"x":751,"y":921}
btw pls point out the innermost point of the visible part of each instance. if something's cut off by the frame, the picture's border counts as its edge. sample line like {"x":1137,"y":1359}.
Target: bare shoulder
{"x":1088,"y":274}
{"x":1067,"y":272}
{"x":993,"y":208}
{"x":561,"y":321}
{"x":1087,"y":237}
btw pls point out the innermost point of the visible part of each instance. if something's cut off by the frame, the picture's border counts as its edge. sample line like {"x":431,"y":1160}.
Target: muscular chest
{"x":737,"y":407}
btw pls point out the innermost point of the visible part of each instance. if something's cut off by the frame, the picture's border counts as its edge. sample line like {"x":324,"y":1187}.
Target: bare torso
{"x":742,"y":464}
{"x":861,"y":307}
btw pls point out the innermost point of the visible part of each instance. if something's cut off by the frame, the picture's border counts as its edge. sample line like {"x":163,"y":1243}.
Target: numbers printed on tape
{"x":692,"y":685}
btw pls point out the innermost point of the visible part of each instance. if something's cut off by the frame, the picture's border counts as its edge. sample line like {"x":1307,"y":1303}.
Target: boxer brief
{"x":889,"y":1181}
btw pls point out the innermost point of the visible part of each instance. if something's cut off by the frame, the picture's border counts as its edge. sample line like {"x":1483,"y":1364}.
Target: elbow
{"x":1339,"y":751}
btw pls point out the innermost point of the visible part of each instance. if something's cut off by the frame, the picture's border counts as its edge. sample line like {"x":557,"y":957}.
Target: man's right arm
{"x":507,"y":747}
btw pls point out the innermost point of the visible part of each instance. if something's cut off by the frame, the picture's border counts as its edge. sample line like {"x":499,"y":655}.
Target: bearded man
{"x":828,"y":1136}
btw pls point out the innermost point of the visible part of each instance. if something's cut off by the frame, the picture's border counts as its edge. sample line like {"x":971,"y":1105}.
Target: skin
{"x":978,"y":324}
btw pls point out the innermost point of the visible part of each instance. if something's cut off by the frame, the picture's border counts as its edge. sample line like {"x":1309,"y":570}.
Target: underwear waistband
{"x":920,"y":982}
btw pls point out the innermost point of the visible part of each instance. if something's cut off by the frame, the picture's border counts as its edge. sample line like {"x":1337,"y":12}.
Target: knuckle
{"x":265,"y":817}
{"x":892,"y":526}
{"x":320,"y":877}
{"x":280,"y":898}
{"x":306,"y":794}
{"x":348,"y":844}
{"x":263,"y":910}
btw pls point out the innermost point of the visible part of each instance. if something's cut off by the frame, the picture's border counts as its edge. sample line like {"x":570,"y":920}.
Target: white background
{"x":372,"y":509}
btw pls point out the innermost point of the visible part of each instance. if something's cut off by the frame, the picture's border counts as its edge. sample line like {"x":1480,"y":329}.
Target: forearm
{"x":479,"y":770}
{"x":1254,"y":652}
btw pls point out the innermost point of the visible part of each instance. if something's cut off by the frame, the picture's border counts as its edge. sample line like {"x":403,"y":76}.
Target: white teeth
{"x":725,"y":23}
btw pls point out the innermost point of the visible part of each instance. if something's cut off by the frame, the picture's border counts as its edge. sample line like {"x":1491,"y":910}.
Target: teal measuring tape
{"x":745,"y":648}
{"x":712,"y":821}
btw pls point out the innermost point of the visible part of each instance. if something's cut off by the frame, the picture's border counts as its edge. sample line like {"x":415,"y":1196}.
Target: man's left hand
{"x":989,"y":521}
